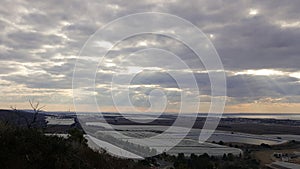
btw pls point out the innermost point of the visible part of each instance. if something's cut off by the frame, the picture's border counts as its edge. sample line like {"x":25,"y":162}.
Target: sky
{"x":258,"y":43}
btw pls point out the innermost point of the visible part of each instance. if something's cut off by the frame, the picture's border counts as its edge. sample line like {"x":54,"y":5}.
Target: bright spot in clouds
{"x":261,"y":72}
{"x":253,"y":12}
{"x":134,"y":69}
{"x":295,"y":75}
{"x":269,"y":72}
{"x":284,"y":24}
{"x":103,"y":44}
{"x":113,"y":6}
{"x":143,"y":43}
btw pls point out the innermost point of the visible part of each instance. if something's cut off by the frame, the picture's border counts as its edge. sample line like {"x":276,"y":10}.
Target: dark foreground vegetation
{"x":23,"y":148}
{"x":228,"y":161}
{"x":206,"y":162}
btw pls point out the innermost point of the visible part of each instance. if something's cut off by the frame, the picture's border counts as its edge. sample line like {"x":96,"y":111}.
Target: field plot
{"x":159,"y":138}
{"x":115,"y":150}
{"x":245,"y":138}
{"x":51,"y":120}
{"x":126,"y":135}
{"x":285,"y":137}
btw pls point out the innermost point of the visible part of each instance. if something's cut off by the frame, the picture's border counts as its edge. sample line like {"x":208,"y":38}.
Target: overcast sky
{"x":258,"y":43}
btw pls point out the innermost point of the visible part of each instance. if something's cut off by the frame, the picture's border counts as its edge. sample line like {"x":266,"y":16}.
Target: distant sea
{"x":283,"y":116}
{"x":295,"y":116}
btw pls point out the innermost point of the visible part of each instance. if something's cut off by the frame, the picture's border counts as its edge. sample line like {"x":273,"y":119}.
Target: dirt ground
{"x":266,"y":156}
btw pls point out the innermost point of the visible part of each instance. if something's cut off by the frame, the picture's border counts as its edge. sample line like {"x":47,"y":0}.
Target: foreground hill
{"x":23,"y":148}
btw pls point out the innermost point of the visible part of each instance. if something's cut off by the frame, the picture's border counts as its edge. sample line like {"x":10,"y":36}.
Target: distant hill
{"x":21,"y":118}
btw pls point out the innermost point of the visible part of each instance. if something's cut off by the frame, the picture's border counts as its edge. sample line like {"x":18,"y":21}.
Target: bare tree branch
{"x":37,"y":109}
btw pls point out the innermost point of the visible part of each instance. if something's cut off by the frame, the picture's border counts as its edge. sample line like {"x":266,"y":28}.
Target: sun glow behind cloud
{"x":285,"y":24}
{"x":269,"y":72}
{"x":261,"y":72}
{"x":253,"y":12}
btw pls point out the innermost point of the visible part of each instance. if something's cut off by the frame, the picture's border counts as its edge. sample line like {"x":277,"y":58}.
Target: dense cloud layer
{"x":258,"y":43}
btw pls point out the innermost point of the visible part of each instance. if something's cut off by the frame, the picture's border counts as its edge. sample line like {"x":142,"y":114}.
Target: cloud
{"x":40,"y":42}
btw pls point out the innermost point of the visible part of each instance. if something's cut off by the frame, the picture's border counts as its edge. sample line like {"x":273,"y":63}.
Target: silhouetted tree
{"x":36,"y":110}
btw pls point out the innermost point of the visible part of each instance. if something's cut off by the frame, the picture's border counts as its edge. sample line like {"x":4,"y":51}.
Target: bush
{"x":30,"y":149}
